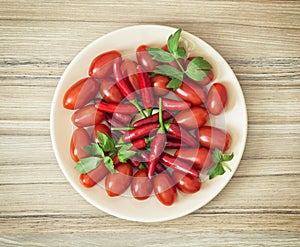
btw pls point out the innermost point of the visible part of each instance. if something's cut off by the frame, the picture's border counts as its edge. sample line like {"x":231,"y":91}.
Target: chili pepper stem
{"x":149,"y":111}
{"x":123,"y":128}
{"x":135,"y":103}
{"x":160,"y":118}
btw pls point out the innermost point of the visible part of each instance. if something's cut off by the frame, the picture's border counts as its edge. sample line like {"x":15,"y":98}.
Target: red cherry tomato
{"x":101,"y":128}
{"x":128,"y":68}
{"x":164,"y":189}
{"x":117,"y":183}
{"x":93,"y":177}
{"x":80,"y":93}
{"x":102,"y":65}
{"x":217,"y":99}
{"x":201,"y":157}
{"x":192,"y":93}
{"x":186,"y":183}
{"x":87,"y":116}
{"x":159,"y":84}
{"x":80,"y":138}
{"x":192,"y":118}
{"x":110,"y":91}
{"x":212,"y":137}
{"x":144,"y":58}
{"x":141,"y":185}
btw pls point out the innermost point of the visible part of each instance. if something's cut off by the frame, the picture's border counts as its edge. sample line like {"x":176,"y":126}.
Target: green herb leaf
{"x":220,"y":164}
{"x":180,"y":53}
{"x":198,"y":69}
{"x":174,"y":84}
{"x":215,"y":171}
{"x":160,"y":55}
{"x":142,"y":166}
{"x":108,"y":162}
{"x":86,"y":165}
{"x":170,"y":71}
{"x":93,"y":149}
{"x":124,"y":153}
{"x":106,"y":142}
{"x":173,"y":41}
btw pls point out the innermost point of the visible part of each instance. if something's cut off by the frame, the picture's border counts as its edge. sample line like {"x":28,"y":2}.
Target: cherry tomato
{"x":186,"y":183}
{"x":87,"y":116}
{"x":93,"y":177}
{"x":212,"y":137}
{"x":192,"y":93}
{"x":159,"y":84}
{"x":101,"y":128}
{"x":80,"y":138}
{"x":101,"y":66}
{"x":117,"y":183}
{"x":141,"y":185}
{"x":201,"y":157}
{"x":203,"y":82}
{"x":164,"y":189}
{"x":110,"y":91}
{"x":217,"y":99}
{"x":192,"y":118}
{"x":80,"y":93}
{"x":144,"y":58}
{"x":128,"y":68}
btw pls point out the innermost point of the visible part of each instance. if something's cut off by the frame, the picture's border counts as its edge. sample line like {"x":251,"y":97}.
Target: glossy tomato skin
{"x":128,"y":68}
{"x":87,"y":116}
{"x":110,"y":91}
{"x":192,"y":93}
{"x":201,"y":157}
{"x":141,"y":185}
{"x":80,"y":93}
{"x":101,"y":128}
{"x":186,"y":183}
{"x":117,"y":183}
{"x":164,"y":189}
{"x":102,"y":65}
{"x":212,"y":137}
{"x":93,"y":177}
{"x":80,"y":138}
{"x":144,"y":58}
{"x":217,"y":98}
{"x":192,"y":118}
{"x":159,"y":84}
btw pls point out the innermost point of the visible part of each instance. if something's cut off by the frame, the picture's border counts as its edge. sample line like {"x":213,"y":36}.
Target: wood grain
{"x":259,"y":39}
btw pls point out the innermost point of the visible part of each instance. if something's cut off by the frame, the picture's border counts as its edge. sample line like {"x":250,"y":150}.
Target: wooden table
{"x":261,"y":42}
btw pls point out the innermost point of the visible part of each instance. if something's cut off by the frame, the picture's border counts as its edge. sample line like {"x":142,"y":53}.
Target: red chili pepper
{"x":159,"y":168}
{"x":134,"y":161}
{"x":174,"y":105}
{"x":181,"y":134}
{"x":175,"y":143}
{"x":139,"y":132}
{"x":124,"y":118}
{"x":145,"y":87}
{"x":116,"y":124}
{"x":152,"y":119}
{"x":157,"y":146}
{"x":112,"y":108}
{"x":178,"y":164}
{"x":124,"y":86}
{"x":139,"y":144}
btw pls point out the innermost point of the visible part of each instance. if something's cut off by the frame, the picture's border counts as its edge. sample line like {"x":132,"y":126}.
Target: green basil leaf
{"x":86,"y":165}
{"x":125,"y":153}
{"x":173,"y":41}
{"x":174,"y":84}
{"x":200,"y":63}
{"x":160,"y":55}
{"x":227,"y":157}
{"x":106,"y":142}
{"x":170,"y":71}
{"x":198,"y":69}
{"x":93,"y":149}
{"x":108,"y":162}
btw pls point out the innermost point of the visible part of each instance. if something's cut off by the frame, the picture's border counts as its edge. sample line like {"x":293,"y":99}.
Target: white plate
{"x":126,"y":40}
